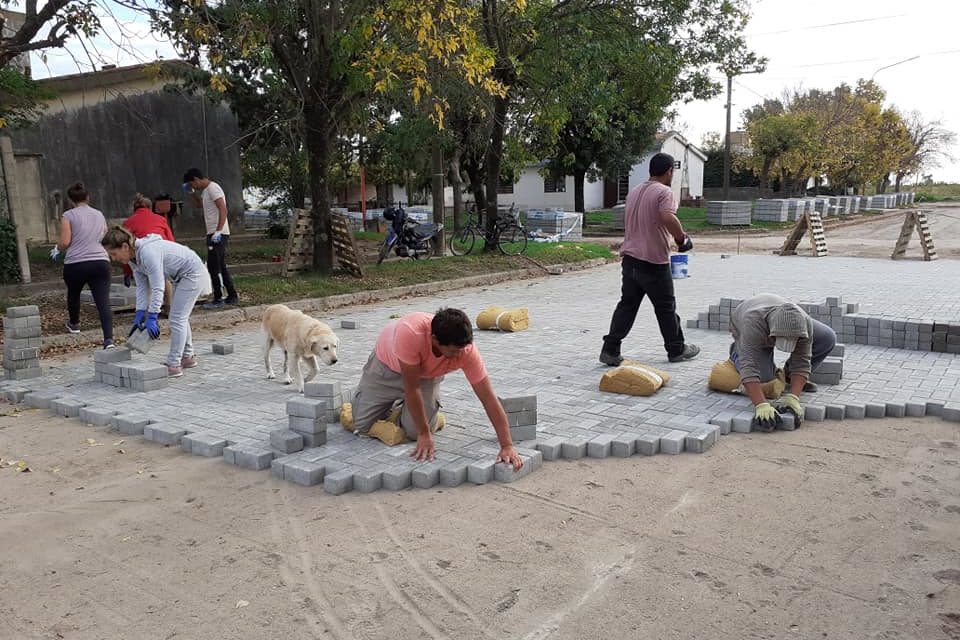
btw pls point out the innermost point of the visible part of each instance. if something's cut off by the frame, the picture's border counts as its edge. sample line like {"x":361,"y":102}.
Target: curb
{"x":233,"y":317}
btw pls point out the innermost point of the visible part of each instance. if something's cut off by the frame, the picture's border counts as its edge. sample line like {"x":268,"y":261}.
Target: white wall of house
{"x":687,"y":180}
{"x":529,"y":193}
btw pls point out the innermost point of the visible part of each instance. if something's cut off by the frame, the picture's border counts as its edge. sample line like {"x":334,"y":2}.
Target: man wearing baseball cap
{"x":766,"y":322}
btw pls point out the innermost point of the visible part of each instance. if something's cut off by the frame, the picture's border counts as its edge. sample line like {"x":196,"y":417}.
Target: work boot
{"x":690,"y":351}
{"x":611,"y":359}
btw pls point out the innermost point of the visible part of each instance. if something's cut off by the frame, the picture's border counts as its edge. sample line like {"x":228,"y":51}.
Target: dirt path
{"x":839,"y":530}
{"x":871,"y":239}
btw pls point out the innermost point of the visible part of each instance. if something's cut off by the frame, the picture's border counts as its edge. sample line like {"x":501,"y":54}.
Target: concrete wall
{"x":137,"y":142}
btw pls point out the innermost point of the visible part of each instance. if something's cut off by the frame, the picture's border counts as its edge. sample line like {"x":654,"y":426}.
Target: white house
{"x":534,"y":191}
{"x":687,"y":173}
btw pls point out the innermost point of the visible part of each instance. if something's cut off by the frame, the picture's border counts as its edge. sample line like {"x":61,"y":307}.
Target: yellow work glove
{"x":765,"y":417}
{"x":791,"y":403}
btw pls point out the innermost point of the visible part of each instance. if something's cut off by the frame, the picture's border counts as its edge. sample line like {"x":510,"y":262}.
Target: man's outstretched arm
{"x":498,"y":418}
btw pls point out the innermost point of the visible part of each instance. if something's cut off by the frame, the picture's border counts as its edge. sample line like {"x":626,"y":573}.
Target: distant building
{"x":123,"y":130}
{"x":687,"y":174}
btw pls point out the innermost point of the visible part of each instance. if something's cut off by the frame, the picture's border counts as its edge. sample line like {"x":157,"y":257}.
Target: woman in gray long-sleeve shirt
{"x":154,"y":261}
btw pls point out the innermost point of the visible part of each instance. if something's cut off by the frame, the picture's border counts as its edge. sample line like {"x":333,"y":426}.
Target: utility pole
{"x":726,"y":147}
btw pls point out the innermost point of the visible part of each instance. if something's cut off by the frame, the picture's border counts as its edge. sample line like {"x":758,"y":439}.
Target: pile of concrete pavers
{"x":521,"y":416}
{"x":21,"y":343}
{"x":115,"y":367}
{"x":729,"y":212}
{"x":121,"y":297}
{"x":797,"y":207}
{"x":771,"y":210}
{"x":853,"y":327}
{"x":830,"y":371}
{"x":319,"y":407}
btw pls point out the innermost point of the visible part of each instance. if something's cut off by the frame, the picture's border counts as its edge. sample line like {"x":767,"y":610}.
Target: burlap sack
{"x":387,"y":432}
{"x":500,"y":319}
{"x":634,"y":379}
{"x":725,"y":378}
{"x":346,"y":416}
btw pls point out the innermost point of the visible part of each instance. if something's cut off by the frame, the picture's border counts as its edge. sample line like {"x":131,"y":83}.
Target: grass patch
{"x":937,"y":193}
{"x":262,"y":289}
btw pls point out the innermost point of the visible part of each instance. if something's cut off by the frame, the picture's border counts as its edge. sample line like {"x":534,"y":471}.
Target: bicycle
{"x":508,"y":235}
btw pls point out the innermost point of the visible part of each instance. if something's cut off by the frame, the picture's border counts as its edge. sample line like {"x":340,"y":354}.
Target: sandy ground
{"x":839,"y":530}
{"x":872,"y":239}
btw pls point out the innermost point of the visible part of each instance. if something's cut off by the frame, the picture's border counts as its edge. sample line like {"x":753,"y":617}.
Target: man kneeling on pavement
{"x":410,"y":358}
{"x":761,"y":324}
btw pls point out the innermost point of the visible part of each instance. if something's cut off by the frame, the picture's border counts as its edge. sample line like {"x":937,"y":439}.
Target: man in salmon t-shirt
{"x":650,"y":222}
{"x":410,"y":359}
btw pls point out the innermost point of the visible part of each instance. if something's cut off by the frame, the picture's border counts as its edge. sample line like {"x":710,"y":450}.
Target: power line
{"x":827,"y":25}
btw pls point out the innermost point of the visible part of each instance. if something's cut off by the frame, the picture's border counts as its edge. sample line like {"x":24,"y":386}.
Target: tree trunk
{"x":578,"y":178}
{"x":319,"y":140}
{"x":493,"y":161}
{"x":456,"y":181}
{"x":437,"y":193}
{"x":899,"y":182}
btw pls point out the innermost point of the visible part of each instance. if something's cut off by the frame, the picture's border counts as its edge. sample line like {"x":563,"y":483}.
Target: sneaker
{"x":610,"y":359}
{"x":72,"y":328}
{"x":108,"y":344}
{"x":188,"y":362}
{"x":690,"y":351}
{"x":216,"y":304}
{"x":174,"y":372}
{"x":232,"y":300}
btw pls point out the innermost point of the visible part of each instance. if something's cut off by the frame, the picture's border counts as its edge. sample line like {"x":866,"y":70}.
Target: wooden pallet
{"x":915,"y":220}
{"x":810,"y":222}
{"x":299,"y":252}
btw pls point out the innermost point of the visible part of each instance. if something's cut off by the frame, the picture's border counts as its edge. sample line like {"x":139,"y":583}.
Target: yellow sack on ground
{"x":634,"y":379}
{"x":725,"y":378}
{"x":387,"y":432}
{"x":498,"y":318}
{"x":346,"y":416}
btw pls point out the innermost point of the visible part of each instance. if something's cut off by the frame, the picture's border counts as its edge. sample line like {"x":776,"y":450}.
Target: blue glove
{"x":138,"y":319}
{"x":153,"y":327}
{"x":216,"y":237}
{"x":55,"y":253}
{"x":686,"y":245}
{"x":127,"y":280}
{"x":187,"y":187}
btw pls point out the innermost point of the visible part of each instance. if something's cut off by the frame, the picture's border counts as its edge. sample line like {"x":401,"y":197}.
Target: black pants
{"x":654,"y":281}
{"x":96,"y":275}
{"x":217,"y":266}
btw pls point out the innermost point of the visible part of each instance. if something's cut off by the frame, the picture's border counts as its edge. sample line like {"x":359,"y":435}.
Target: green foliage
{"x":9,"y":265}
{"x":20,"y":98}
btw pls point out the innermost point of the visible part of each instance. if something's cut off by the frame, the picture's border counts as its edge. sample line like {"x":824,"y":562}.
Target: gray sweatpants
{"x":381,"y":388}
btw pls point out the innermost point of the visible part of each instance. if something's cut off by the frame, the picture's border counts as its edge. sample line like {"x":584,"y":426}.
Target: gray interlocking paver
{"x":228,"y":398}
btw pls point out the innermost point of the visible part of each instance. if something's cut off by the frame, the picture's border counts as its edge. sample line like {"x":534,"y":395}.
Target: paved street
{"x":556,"y":359}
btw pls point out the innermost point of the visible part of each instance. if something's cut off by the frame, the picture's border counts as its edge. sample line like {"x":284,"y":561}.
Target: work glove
{"x":153,"y":325}
{"x":55,"y":253}
{"x":686,"y":245}
{"x":766,"y":418}
{"x":187,"y":187}
{"x":127,"y":280}
{"x":138,"y":319}
{"x":791,"y":403}
{"x":216,"y":237}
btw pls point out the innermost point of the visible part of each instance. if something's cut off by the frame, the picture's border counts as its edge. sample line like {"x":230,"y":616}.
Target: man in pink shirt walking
{"x":650,"y":221}
{"x":410,"y":359}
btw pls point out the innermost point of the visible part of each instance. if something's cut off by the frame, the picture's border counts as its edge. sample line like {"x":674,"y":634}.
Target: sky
{"x":909,"y":48}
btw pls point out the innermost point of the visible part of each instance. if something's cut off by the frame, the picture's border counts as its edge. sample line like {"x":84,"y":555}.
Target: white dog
{"x":302,"y":338}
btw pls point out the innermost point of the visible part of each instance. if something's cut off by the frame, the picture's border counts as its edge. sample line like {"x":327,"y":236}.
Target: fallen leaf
{"x":139,"y":472}
{"x":120,"y":451}
{"x":55,"y":470}
{"x":22,"y":467}
{"x":124,"y":539}
{"x":94,"y":443}
{"x":118,"y":443}
{"x":242,"y":603}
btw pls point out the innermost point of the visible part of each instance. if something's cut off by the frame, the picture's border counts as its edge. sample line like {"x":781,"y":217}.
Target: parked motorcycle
{"x":407,"y":238}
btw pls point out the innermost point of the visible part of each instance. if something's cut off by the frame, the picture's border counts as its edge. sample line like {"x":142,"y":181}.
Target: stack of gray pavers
{"x":798,"y":207}
{"x":821,"y":204}
{"x":729,"y":212}
{"x":830,"y":371}
{"x":21,"y":343}
{"x":319,"y":408}
{"x":915,"y":334}
{"x":521,"y":416}
{"x":618,"y":211}
{"x":771,"y":210}
{"x":121,"y":297}
{"x":839,"y":206}
{"x":115,"y":367}
{"x":552,"y":222}
{"x":883,"y":201}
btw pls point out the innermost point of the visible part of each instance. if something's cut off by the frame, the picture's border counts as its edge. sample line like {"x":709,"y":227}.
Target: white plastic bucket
{"x":679,"y":266}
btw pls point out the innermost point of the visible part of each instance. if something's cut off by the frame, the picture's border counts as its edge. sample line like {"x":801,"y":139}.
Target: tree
{"x":333,"y":55}
{"x":929,"y":143}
